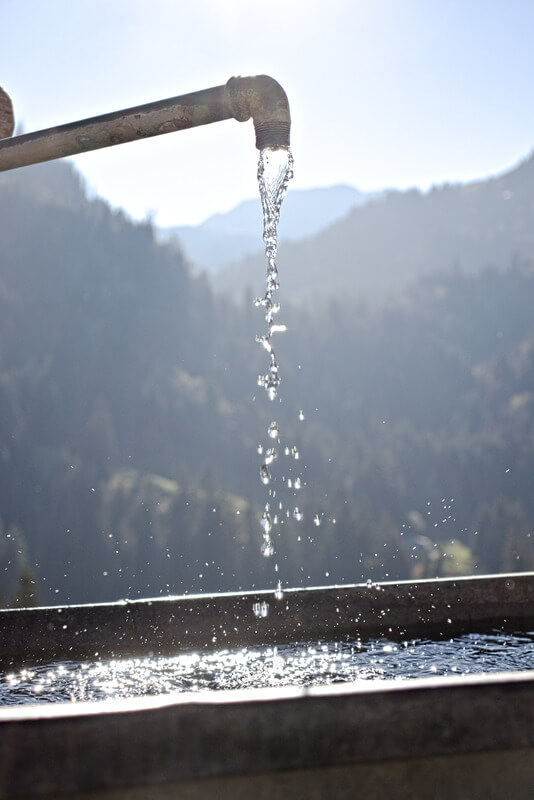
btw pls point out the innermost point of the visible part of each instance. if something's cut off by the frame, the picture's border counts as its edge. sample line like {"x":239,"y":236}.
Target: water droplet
{"x":316,"y":520}
{"x":294,"y":452}
{"x":265,"y":475}
{"x":273,"y":430}
{"x":369,"y":583}
{"x":267,"y":548}
{"x":297,"y":484}
{"x":273,"y":308}
{"x":297,"y":514}
{"x":259,"y":449}
{"x":270,"y":455}
{"x":266,"y":522}
{"x":301,"y":415}
{"x":265,"y":342}
{"x":260,"y":609}
{"x":278,"y":591}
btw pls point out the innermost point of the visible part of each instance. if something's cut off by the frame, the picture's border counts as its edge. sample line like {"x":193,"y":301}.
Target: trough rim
{"x":237,"y":697}
{"x":268,"y":593}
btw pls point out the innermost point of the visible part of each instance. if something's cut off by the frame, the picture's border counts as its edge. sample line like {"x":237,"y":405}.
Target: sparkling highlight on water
{"x":297,"y":664}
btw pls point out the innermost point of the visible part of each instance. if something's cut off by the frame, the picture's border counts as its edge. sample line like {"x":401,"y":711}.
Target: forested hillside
{"x":382,"y":246}
{"x":129,"y":417}
{"x":225,"y":238}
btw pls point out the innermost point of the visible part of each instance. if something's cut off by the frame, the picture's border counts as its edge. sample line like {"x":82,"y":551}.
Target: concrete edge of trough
{"x":442,"y":607}
{"x":123,"y":705}
{"x":261,"y":732}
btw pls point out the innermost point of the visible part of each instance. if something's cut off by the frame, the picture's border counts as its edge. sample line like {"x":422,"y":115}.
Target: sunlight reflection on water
{"x":306,"y":664}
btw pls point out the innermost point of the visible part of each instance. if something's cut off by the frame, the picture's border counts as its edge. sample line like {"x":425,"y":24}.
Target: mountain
{"x":130,"y":415}
{"x":379,"y":247}
{"x":224,"y":238}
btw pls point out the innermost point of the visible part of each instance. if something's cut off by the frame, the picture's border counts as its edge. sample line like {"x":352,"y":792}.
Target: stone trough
{"x":452,"y":737}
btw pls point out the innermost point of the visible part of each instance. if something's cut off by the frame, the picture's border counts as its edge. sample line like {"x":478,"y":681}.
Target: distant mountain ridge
{"x":379,"y":247}
{"x":225,"y":238}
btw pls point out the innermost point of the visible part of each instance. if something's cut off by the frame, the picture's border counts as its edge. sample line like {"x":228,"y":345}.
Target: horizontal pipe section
{"x":259,"y":97}
{"x":166,"y":626}
{"x":140,"y":122}
{"x":7,"y":119}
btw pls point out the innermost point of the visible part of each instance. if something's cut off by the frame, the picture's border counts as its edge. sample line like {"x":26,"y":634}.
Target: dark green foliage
{"x":128,"y":425}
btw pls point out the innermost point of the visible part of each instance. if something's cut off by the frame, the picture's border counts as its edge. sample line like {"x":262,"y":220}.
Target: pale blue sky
{"x":383,"y":93}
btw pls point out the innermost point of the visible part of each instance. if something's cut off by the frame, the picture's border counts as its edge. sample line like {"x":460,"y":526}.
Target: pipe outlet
{"x":263,"y":99}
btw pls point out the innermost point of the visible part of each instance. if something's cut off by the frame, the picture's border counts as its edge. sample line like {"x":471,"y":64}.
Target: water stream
{"x":275,"y":169}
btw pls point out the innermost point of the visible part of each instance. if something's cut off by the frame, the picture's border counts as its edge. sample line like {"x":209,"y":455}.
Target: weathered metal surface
{"x":7,"y":118}
{"x":152,"y":119}
{"x":475,"y":776}
{"x":164,"y":626}
{"x":247,"y":743}
{"x":92,"y":747}
{"x":259,"y":97}
{"x":263,"y":99}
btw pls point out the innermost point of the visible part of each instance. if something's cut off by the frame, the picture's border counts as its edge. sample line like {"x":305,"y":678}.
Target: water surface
{"x":304,"y":664}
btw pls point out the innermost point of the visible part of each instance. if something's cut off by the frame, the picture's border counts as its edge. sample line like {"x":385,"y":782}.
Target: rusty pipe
{"x":7,"y":120}
{"x":263,"y":99}
{"x":259,"y":97}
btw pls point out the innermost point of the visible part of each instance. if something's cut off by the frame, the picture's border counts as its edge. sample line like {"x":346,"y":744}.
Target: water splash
{"x":298,"y":664}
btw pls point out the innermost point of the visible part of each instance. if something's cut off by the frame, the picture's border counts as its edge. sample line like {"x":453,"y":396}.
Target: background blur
{"x":129,"y":417}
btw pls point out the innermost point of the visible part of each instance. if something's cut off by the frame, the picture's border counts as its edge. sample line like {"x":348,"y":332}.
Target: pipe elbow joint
{"x":263,"y":99}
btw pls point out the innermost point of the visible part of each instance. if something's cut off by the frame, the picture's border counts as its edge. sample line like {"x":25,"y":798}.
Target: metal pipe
{"x":7,"y":120}
{"x":259,"y":97}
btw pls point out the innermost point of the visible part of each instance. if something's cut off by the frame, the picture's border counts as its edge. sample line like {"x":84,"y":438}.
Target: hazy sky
{"x":383,"y":93}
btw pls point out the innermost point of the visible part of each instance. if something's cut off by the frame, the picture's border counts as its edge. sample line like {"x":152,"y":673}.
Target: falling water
{"x":275,"y":169}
